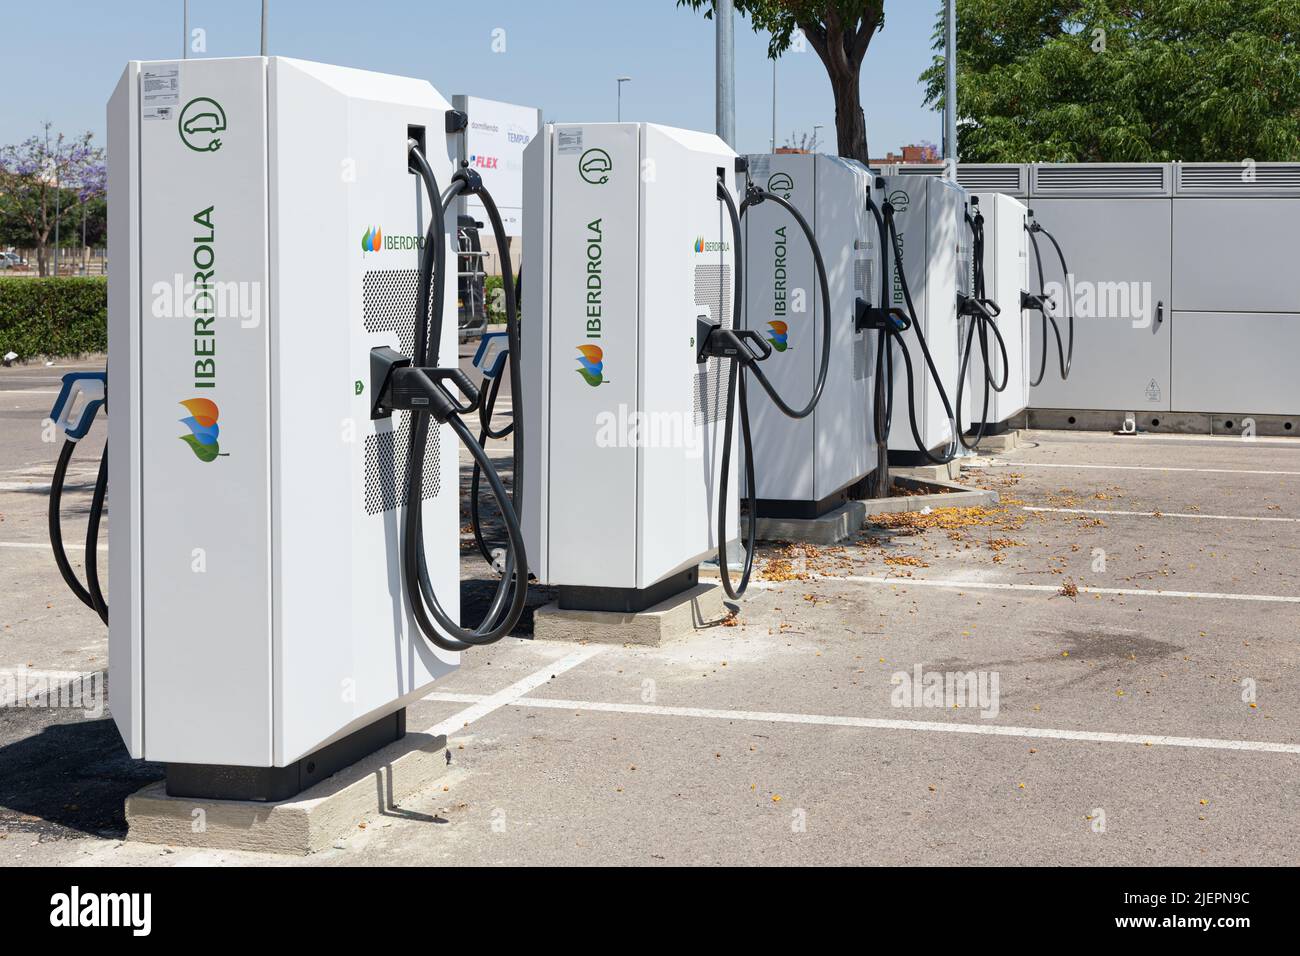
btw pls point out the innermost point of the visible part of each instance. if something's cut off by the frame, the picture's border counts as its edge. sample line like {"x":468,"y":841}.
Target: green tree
{"x":1124,"y":80}
{"x":839,"y":31}
{"x":42,"y":182}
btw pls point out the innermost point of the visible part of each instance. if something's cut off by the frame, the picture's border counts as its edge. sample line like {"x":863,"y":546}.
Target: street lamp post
{"x":621,"y":81}
{"x":816,"y":127}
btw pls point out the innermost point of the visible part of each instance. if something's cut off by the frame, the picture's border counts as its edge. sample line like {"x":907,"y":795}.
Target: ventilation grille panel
{"x":388,"y":303}
{"x":386,"y":460}
{"x":1101,"y":179}
{"x":712,"y":290}
{"x":1011,"y":180}
{"x":1237,"y":179}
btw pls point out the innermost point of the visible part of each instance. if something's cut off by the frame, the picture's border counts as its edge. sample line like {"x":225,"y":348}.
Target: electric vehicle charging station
{"x":1006,"y":272}
{"x":273,"y":230}
{"x":629,"y":248}
{"x":928,"y":213}
{"x":806,"y":467}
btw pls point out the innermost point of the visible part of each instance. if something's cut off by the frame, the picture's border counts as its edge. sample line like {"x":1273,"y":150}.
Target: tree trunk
{"x":850,"y":122}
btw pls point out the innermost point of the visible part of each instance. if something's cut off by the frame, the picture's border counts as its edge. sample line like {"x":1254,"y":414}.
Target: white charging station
{"x":1006,"y":276}
{"x":266,"y":233}
{"x":628,"y":245}
{"x":806,"y":467}
{"x":929,"y":213}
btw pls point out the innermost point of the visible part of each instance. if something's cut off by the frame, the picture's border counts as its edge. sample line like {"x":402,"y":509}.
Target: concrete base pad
{"x":679,"y":616}
{"x":311,"y":821}
{"x":831,"y":528}
{"x":994,"y":444}
{"x":957,"y":496}
{"x":928,"y":473}
{"x":1156,"y":422}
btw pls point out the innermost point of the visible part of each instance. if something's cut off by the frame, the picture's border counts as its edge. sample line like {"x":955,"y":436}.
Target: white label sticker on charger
{"x":160,"y":90}
{"x":568,"y":140}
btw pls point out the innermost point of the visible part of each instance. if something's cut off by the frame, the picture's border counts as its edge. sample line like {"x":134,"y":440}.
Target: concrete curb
{"x":312,"y":821}
{"x":831,"y":528}
{"x":679,"y":616}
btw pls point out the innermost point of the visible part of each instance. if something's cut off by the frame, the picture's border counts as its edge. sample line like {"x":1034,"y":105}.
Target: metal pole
{"x":185,"y":28}
{"x":58,"y":214}
{"x":621,"y":80}
{"x":264,"y":5}
{"x":815,"y":129}
{"x":723,"y":11}
{"x":950,"y":83}
{"x":774,"y":104}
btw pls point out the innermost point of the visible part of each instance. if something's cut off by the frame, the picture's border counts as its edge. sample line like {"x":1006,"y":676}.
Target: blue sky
{"x":62,"y":60}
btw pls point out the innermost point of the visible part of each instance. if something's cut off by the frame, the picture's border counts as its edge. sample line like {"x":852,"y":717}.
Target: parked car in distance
{"x":12,"y":260}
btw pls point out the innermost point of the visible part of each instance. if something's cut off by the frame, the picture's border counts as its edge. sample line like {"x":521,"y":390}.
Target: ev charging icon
{"x":200,"y":122}
{"x":594,"y":166}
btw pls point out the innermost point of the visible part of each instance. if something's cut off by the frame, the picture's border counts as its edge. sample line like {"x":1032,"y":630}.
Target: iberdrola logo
{"x":373,"y":240}
{"x":779,"y":335}
{"x":699,"y":243}
{"x":592,"y":361}
{"x":202,"y":424}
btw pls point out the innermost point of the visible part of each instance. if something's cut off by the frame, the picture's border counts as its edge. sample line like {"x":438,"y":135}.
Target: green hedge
{"x":53,"y":317}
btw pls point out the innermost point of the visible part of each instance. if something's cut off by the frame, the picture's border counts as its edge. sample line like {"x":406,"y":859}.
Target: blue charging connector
{"x":82,"y":396}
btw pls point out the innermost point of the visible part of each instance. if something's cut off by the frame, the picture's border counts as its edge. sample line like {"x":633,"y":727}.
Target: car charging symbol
{"x":200,"y":122}
{"x":594,"y":166}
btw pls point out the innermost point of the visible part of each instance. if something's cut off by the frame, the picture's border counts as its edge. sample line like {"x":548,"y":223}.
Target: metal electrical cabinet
{"x":258,"y":607}
{"x":804,"y":467}
{"x":1185,"y":282}
{"x":1006,"y":268}
{"x":625,"y":427}
{"x":1236,"y":281}
{"x":936,"y":261}
{"x":1115,"y":224}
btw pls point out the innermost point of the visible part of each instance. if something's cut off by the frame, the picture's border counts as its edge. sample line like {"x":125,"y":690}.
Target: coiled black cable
{"x":511,"y":591}
{"x":89,"y":594}
{"x":883,"y":405}
{"x":1064,"y":354}
{"x":736,"y":384}
{"x":983,"y":322}
{"x":897,"y":335}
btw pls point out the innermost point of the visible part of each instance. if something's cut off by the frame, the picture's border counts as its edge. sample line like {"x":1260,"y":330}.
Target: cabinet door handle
{"x":1160,"y":313}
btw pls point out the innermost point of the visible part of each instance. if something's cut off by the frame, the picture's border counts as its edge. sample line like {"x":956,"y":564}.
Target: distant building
{"x":911,"y":155}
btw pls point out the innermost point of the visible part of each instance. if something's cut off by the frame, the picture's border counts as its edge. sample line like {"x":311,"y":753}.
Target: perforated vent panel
{"x":386,"y":466}
{"x":712,"y":289}
{"x":388,"y":303}
{"x":861,"y":358}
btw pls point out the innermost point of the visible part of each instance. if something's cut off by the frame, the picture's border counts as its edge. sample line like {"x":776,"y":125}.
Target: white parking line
{"x":485,"y":705}
{"x":1159,"y":514}
{"x":1199,"y":471}
{"x":882,"y":723}
{"x":1041,"y":588}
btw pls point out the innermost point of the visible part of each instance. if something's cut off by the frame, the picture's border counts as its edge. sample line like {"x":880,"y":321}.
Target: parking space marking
{"x":485,"y":705}
{"x":883,"y":723}
{"x":1158,"y":514}
{"x":1040,"y":588}
{"x":1199,"y":471}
